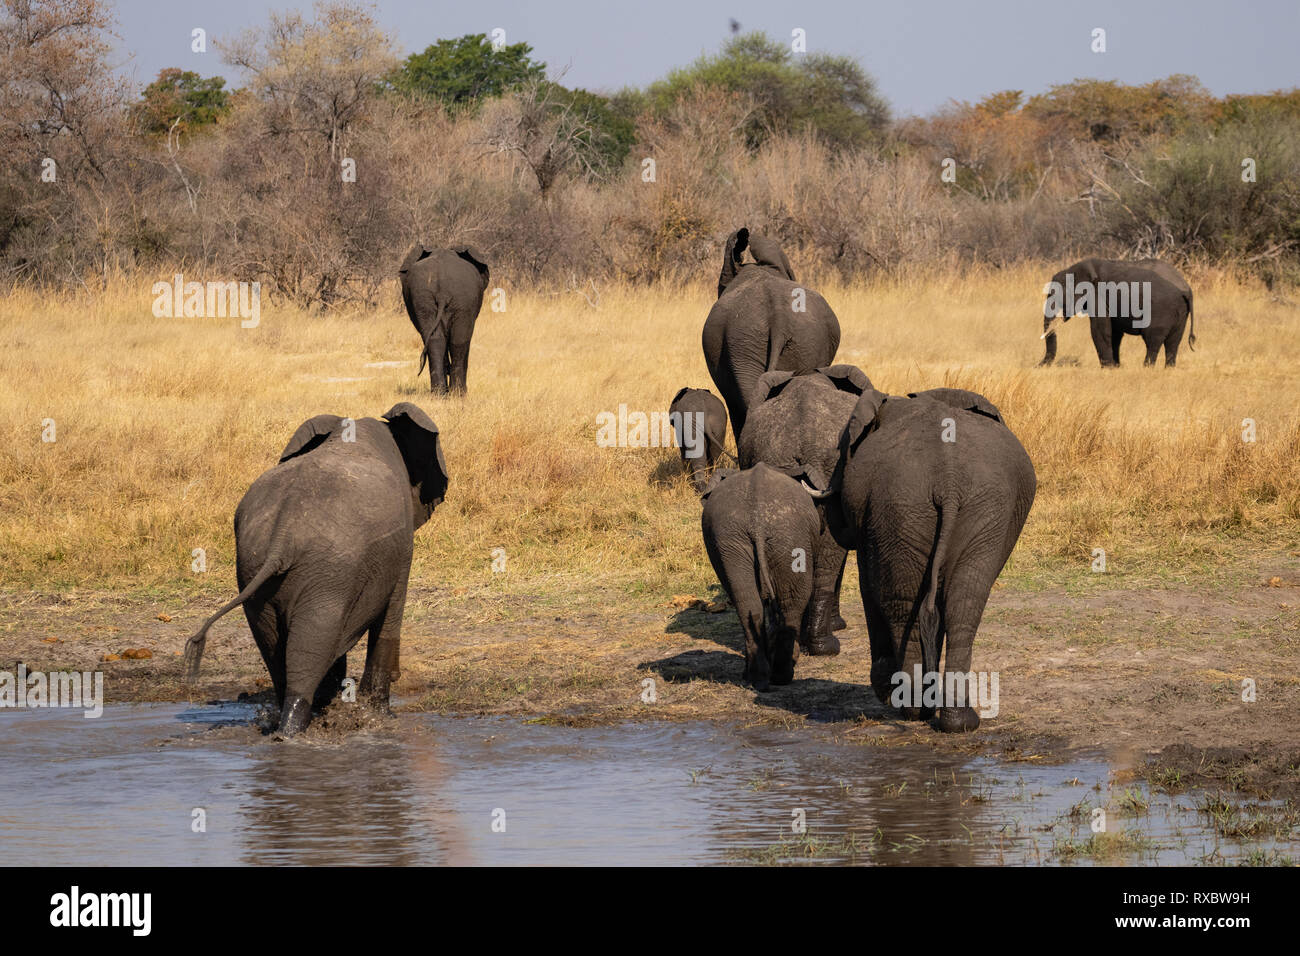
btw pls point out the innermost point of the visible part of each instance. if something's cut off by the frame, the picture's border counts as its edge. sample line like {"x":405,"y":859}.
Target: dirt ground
{"x":1155,"y":672}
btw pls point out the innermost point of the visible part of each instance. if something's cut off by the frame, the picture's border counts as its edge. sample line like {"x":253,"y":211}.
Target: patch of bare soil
{"x":1157,"y":672}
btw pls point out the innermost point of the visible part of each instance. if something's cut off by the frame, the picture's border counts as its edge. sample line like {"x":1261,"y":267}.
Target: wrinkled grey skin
{"x":933,"y":523}
{"x":753,"y":327}
{"x":700,"y":401}
{"x":753,"y":521}
{"x":1170,"y":310}
{"x":443,"y":291}
{"x":794,"y":426}
{"x":323,"y":552}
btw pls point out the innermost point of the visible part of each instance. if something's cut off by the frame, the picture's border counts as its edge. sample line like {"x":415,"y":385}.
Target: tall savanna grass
{"x":161,"y":424}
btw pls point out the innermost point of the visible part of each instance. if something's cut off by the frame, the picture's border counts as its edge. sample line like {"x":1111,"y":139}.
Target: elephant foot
{"x":822,"y":645}
{"x":294,"y":716}
{"x":839,"y":624}
{"x":958,"y":720}
{"x":882,"y":673}
{"x":916,"y":713}
{"x":783,"y":675}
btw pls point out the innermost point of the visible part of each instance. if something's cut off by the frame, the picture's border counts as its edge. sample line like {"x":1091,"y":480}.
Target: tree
{"x":182,"y":99}
{"x":315,"y":77}
{"x":461,"y":72}
{"x":831,"y":95}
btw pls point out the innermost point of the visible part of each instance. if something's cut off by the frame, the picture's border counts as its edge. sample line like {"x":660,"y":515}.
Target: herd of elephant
{"x":930,"y":489}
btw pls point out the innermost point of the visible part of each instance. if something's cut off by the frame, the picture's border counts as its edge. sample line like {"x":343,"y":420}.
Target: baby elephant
{"x":700,"y":420}
{"x":323,"y":552}
{"x":761,"y":532}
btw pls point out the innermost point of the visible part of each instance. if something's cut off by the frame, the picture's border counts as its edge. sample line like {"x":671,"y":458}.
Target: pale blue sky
{"x":922,"y":52}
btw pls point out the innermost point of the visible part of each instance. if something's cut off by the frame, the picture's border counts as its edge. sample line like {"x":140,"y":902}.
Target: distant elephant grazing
{"x":443,"y":291}
{"x":323,"y":553}
{"x":1104,"y":289}
{"x":933,"y":498}
{"x":705,"y":437}
{"x":761,"y":532}
{"x":794,"y":426}
{"x":763,"y":321}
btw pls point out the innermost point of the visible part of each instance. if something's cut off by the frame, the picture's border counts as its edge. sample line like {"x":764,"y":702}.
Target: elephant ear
{"x":847,"y":378}
{"x":421,"y":447}
{"x":769,"y":385}
{"x":731,"y":257}
{"x":310,"y":434}
{"x":768,"y":252}
{"x":418,"y":252}
{"x":678,"y":397}
{"x":963,"y":399}
{"x":470,"y":255}
{"x":864,"y":419}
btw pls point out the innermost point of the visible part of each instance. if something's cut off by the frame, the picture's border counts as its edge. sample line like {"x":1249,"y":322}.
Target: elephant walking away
{"x":763,"y":321}
{"x":702,"y":438}
{"x":761,"y":530}
{"x":933,"y":498}
{"x":323,"y":553}
{"x":794,"y":426}
{"x":443,"y":291}
{"x":1146,"y":297}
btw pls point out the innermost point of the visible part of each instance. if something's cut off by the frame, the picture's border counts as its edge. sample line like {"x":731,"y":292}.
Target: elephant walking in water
{"x":443,"y":291}
{"x":323,"y":553}
{"x":763,"y":321}
{"x":1146,"y":297}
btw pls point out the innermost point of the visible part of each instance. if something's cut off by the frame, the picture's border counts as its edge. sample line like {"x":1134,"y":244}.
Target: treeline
{"x":318,"y":174}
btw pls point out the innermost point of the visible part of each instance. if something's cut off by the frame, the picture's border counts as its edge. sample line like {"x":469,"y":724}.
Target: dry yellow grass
{"x":163,"y":423}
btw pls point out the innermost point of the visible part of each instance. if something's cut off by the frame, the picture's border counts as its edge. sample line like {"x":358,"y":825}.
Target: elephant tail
{"x":194,"y":646}
{"x":947,"y":518}
{"x":1191,"y":321}
{"x":439,"y":321}
{"x":766,"y":593}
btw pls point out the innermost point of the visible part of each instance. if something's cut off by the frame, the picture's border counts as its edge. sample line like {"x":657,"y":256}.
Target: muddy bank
{"x":1146,"y":671}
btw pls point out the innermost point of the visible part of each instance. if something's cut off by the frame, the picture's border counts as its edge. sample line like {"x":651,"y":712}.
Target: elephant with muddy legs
{"x":763,"y":321}
{"x":1146,"y":297}
{"x":933,"y":498}
{"x":702,"y":436}
{"x":323,"y":553}
{"x":443,"y":291}
{"x":761,"y":531}
{"x":794,"y":426}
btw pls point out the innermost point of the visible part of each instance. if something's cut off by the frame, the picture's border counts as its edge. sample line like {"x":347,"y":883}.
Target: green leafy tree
{"x":182,"y":96}
{"x":831,"y":95}
{"x":463,"y":71}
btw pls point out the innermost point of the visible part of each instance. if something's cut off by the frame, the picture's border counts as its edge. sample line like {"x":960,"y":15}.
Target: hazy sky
{"x":922,"y":52}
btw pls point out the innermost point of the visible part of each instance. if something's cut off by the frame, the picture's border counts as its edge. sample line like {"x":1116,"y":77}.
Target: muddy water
{"x":138,"y":784}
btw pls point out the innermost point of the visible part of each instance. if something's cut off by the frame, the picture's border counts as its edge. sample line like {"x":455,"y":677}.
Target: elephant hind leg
{"x":1172,"y":342}
{"x":383,"y":650}
{"x":962,"y":620}
{"x":310,"y":654}
{"x":435,"y":347}
{"x":457,"y":366}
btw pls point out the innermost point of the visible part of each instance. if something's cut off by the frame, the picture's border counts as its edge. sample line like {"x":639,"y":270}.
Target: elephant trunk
{"x":1049,"y":334}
